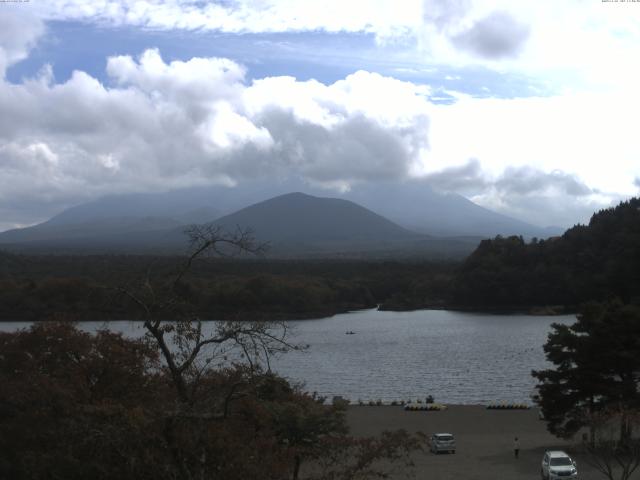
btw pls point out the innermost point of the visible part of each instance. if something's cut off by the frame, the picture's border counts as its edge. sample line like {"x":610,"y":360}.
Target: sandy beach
{"x":484,"y":441}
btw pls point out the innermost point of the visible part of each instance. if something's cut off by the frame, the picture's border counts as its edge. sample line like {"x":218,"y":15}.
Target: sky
{"x":528,"y":108}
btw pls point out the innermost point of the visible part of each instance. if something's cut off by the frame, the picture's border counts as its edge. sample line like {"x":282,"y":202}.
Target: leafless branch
{"x":208,"y":238}
{"x":613,"y":451}
{"x":255,"y":339}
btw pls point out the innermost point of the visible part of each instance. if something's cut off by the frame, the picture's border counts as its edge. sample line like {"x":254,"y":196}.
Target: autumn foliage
{"x":75,"y":405}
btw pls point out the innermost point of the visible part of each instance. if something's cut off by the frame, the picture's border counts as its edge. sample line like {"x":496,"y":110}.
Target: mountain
{"x":189,"y":205}
{"x":411,"y":204}
{"x":294,"y":225}
{"x":419,"y":207}
{"x":298,"y":224}
{"x":55,"y":231}
{"x":301,"y":218}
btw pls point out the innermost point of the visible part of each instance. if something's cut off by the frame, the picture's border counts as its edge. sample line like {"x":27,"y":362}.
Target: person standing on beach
{"x":516,"y":447}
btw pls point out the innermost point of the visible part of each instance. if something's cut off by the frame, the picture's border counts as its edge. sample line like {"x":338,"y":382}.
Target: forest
{"x":75,"y":406}
{"x":593,"y":262}
{"x":86,"y":287}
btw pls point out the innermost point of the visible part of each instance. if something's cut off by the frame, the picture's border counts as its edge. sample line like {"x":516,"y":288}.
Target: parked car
{"x":442,"y":442}
{"x":557,"y":465}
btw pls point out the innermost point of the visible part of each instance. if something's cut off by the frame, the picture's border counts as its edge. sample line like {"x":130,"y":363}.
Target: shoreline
{"x":534,"y":311}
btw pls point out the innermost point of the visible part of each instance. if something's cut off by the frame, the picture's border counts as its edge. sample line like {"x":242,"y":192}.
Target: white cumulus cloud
{"x":570,"y":42}
{"x":156,"y":124}
{"x":19,"y":31}
{"x":162,"y":125}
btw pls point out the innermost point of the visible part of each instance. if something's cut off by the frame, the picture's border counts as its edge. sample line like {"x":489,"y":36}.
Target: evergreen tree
{"x":597,"y":366}
{"x":598,"y":262}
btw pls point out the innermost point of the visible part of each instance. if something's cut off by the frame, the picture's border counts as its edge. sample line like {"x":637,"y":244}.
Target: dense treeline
{"x":83,"y":287}
{"x":593,"y":262}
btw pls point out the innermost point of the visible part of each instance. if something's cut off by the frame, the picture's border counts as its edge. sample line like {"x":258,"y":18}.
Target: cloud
{"x":544,"y":198}
{"x":563,"y":132}
{"x":636,"y":182}
{"x":358,"y":149}
{"x":527,"y":180}
{"x":545,"y":211}
{"x":464,"y":179}
{"x":158,"y":125}
{"x":444,"y":13}
{"x":512,"y":182}
{"x":569,"y":41}
{"x":162,"y":125}
{"x":495,"y":36}
{"x":245,"y":16}
{"x":19,"y":32}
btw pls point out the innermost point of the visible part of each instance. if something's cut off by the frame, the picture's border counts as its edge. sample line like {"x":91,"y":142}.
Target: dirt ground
{"x":484,"y":441}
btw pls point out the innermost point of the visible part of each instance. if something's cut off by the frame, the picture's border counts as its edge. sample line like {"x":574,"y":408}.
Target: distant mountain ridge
{"x":410,"y":212}
{"x":417,"y":207}
{"x":54,"y":231}
{"x":294,"y":224}
{"x":411,"y":204}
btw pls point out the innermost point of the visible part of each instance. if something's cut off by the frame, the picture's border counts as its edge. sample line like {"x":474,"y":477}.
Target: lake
{"x":462,"y":358}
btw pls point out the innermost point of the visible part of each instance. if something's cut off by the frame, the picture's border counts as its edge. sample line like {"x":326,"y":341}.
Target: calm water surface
{"x":456,"y":357}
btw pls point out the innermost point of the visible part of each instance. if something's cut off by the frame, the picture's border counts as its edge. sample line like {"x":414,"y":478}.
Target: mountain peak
{"x":300,"y":217}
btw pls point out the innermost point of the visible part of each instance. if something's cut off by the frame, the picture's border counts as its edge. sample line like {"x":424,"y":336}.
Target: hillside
{"x":294,"y":225}
{"x":420,"y":208}
{"x":301,"y":218}
{"x":59,"y":232}
{"x":301,"y":225}
{"x":412,"y":205}
{"x":594,"y":262}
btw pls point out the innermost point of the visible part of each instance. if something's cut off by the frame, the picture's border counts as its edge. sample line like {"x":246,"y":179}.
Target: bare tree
{"x":210,"y":396}
{"x":190,"y":349}
{"x":185,"y":343}
{"x":612,"y":449}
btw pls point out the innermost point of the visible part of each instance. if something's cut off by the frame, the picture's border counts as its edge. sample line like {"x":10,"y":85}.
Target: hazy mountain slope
{"x":92,"y":228}
{"x":189,"y":205}
{"x":418,"y":207}
{"x":411,"y":204}
{"x":155,"y":221}
{"x":295,"y":225}
{"x":297,"y":217}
